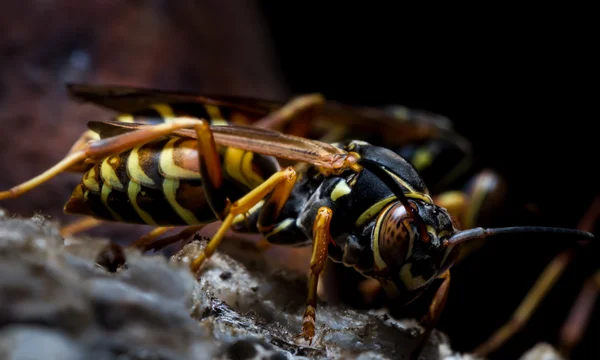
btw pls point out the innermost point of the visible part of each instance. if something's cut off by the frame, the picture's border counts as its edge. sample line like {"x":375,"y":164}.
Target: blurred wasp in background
{"x":354,"y":182}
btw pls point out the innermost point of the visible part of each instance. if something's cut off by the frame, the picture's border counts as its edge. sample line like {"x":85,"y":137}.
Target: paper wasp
{"x":359,"y":204}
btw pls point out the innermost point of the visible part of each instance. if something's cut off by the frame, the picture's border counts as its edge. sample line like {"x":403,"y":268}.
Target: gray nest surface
{"x":56,"y":302}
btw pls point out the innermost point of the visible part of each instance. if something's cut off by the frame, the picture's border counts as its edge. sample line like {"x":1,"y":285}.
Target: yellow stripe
{"x":106,"y":190}
{"x":420,"y":196}
{"x":340,"y":189}
{"x":170,"y":187}
{"x":253,"y":178}
{"x":89,"y":180}
{"x":232,"y":165}
{"x":168,"y":167}
{"x":135,"y":170}
{"x":165,"y":111}
{"x":126,"y":118}
{"x":403,"y":183}
{"x":133,"y":190}
{"x":373,"y":210}
{"x":108,"y":174}
{"x":216,"y":118}
{"x":219,"y":122}
{"x":282,"y":225}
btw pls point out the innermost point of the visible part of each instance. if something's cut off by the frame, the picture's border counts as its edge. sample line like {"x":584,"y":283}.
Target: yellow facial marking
{"x":108,"y":174}
{"x":168,"y":167}
{"x":135,"y":170}
{"x":132,"y":191}
{"x":170,"y":187}
{"x":409,"y":280}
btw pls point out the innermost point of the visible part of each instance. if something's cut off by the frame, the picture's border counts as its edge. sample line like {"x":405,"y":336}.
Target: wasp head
{"x":411,"y":245}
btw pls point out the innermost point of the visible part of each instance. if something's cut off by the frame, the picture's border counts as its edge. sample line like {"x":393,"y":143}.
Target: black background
{"x":517,"y":83}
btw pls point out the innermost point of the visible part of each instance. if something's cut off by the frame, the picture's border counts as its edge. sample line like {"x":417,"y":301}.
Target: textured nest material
{"x":56,"y":302}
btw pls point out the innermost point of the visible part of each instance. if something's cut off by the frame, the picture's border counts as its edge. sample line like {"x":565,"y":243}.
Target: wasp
{"x":358,"y":204}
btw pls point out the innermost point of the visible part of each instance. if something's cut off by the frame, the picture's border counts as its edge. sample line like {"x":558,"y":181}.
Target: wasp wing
{"x":259,"y":140}
{"x":132,"y":99}
{"x":396,"y":125}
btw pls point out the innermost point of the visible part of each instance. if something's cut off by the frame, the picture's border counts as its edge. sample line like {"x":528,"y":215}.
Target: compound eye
{"x":395,"y":236}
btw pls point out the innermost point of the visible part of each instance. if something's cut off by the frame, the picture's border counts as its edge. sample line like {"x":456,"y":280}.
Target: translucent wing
{"x":263,"y":141}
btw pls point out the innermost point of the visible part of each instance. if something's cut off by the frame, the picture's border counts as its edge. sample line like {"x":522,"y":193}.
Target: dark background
{"x":517,"y":82}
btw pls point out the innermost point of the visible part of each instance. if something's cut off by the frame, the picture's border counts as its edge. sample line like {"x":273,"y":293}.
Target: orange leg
{"x":157,"y":244}
{"x":282,"y":179}
{"x":544,"y":283}
{"x":573,"y":329}
{"x":520,"y":317}
{"x":142,"y":242}
{"x":80,"y":225}
{"x":436,"y":307}
{"x":321,"y":240}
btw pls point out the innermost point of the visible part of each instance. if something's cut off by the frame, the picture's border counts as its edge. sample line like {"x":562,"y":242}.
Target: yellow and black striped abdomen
{"x":157,"y":183}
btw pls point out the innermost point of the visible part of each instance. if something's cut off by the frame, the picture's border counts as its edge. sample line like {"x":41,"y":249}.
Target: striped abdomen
{"x":159,"y":183}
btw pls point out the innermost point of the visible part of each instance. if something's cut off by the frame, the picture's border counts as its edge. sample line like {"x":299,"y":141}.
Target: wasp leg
{"x":244,"y":204}
{"x":79,"y":144}
{"x":520,"y":317}
{"x":474,"y":206}
{"x":101,"y":148}
{"x":158,"y":244}
{"x":80,"y":225}
{"x":573,"y":329}
{"x":150,"y":237}
{"x":543,"y":284}
{"x":429,"y":321}
{"x":321,"y":240}
{"x":453,"y":201}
